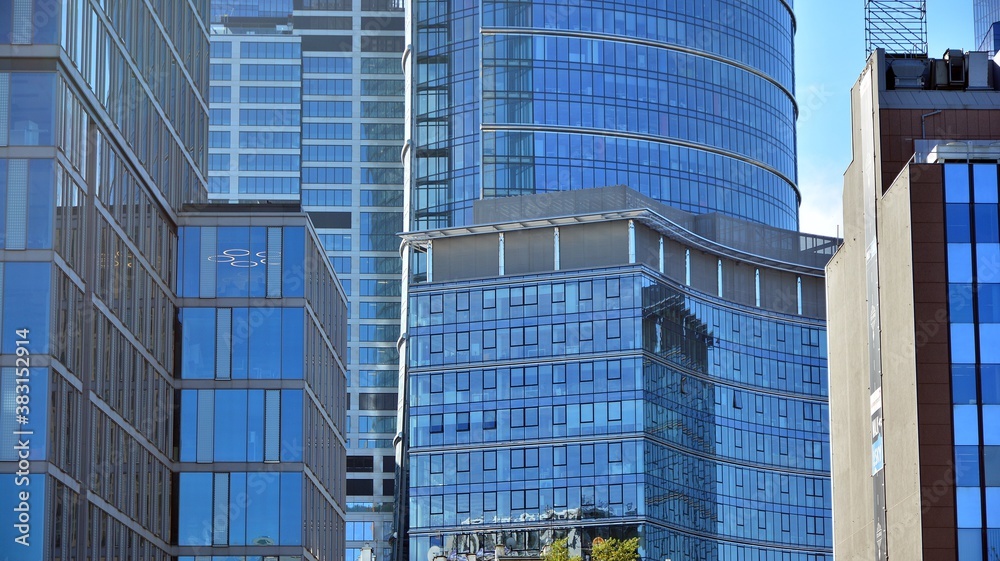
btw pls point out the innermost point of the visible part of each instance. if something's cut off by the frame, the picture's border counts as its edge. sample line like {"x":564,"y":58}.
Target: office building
{"x":306,"y":104}
{"x":261,"y":416}
{"x":691,"y":105}
{"x":103,"y":143}
{"x":595,"y":364}
{"x":914,"y":405}
{"x":97,"y":152}
{"x":987,"y":16}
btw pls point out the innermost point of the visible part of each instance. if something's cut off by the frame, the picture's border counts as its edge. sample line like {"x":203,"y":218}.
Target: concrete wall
{"x":850,"y":414}
{"x":899,"y":385}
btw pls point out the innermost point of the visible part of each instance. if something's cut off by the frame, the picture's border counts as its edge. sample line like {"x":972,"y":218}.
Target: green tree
{"x":558,"y":551}
{"x":612,"y":549}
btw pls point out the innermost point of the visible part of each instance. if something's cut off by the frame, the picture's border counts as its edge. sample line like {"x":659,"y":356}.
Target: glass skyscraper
{"x":576,"y":367}
{"x":261,"y":416}
{"x":169,"y":374}
{"x":102,"y":137}
{"x":987,"y":15}
{"x":594,"y":365}
{"x":306,"y":104}
{"x":691,"y":104}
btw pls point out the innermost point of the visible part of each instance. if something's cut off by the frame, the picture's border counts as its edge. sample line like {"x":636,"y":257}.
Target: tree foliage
{"x":612,"y":549}
{"x":559,"y":551}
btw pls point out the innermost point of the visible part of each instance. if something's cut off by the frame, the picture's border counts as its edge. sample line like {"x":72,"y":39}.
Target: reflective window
{"x":32,"y":108}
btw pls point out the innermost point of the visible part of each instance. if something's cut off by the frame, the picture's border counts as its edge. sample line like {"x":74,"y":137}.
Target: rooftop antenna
{"x":898,"y":26}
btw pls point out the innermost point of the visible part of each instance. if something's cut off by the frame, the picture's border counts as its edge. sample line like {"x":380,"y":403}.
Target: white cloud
{"x":822,"y":209}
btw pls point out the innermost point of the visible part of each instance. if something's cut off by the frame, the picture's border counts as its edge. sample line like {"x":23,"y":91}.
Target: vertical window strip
{"x":720,"y":278}
{"x":274,"y":262}
{"x":4,"y":107}
{"x":207,"y":265}
{"x":17,"y":204}
{"x":21,"y":28}
{"x":500,"y":255}
{"x":220,"y":514}
{"x":798,"y":294}
{"x":272,"y":425}
{"x":205,"y":452}
{"x":757,"y":287}
{"x":687,"y":267}
{"x":223,"y":343}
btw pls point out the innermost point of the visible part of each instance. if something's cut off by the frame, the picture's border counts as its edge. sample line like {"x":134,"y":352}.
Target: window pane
{"x":198,"y":343}
{"x":230,"y":425}
{"x":195,"y":509}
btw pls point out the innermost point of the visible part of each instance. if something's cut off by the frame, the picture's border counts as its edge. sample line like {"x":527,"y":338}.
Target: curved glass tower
{"x":689,"y":103}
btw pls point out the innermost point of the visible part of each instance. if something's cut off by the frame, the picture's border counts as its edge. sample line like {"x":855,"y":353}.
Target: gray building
{"x":914,"y":400}
{"x":307,"y":105}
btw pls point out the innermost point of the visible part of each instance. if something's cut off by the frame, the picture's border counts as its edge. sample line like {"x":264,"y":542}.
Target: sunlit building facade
{"x":98,"y":150}
{"x":306,"y":104}
{"x":103,"y":143}
{"x":691,"y":104}
{"x":261,"y":384}
{"x":608,"y":374}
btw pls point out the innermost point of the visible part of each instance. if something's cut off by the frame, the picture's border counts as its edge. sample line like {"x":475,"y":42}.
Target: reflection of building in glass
{"x":99,"y":151}
{"x":914,"y":322}
{"x":595,"y":364}
{"x":690,"y":104}
{"x":987,"y":18}
{"x":308,"y":107}
{"x":262,"y":379}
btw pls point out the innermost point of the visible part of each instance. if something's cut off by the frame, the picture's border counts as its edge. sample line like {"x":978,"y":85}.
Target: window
{"x":382,"y":87}
{"x":327,"y":65}
{"x":326,"y":176}
{"x":220,"y":94}
{"x":221,"y":72}
{"x":437,"y":424}
{"x":337,"y":109}
{"x":326,"y":131}
{"x":381,"y":65}
{"x":255,"y":49}
{"x":328,"y":86}
{"x":489,"y":420}
{"x":269,"y":94}
{"x":559,"y":415}
{"x":270,"y":72}
{"x":382,"y":109}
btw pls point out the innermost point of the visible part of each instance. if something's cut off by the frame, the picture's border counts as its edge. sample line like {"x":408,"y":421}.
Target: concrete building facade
{"x":912,"y":395}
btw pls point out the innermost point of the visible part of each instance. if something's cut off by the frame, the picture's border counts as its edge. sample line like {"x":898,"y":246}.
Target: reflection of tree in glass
{"x":613,"y":549}
{"x":558,"y":551}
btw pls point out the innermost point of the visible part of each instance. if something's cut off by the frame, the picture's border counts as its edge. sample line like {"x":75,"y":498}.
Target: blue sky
{"x":829,"y":56}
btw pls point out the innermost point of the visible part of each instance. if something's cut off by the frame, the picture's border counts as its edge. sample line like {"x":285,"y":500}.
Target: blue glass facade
{"x":973,"y":238}
{"x":691,"y":104}
{"x":614,"y":403}
{"x":986,"y":14}
{"x":98,"y":151}
{"x":309,"y":107}
{"x":261,"y":422}
{"x":581,"y":372}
